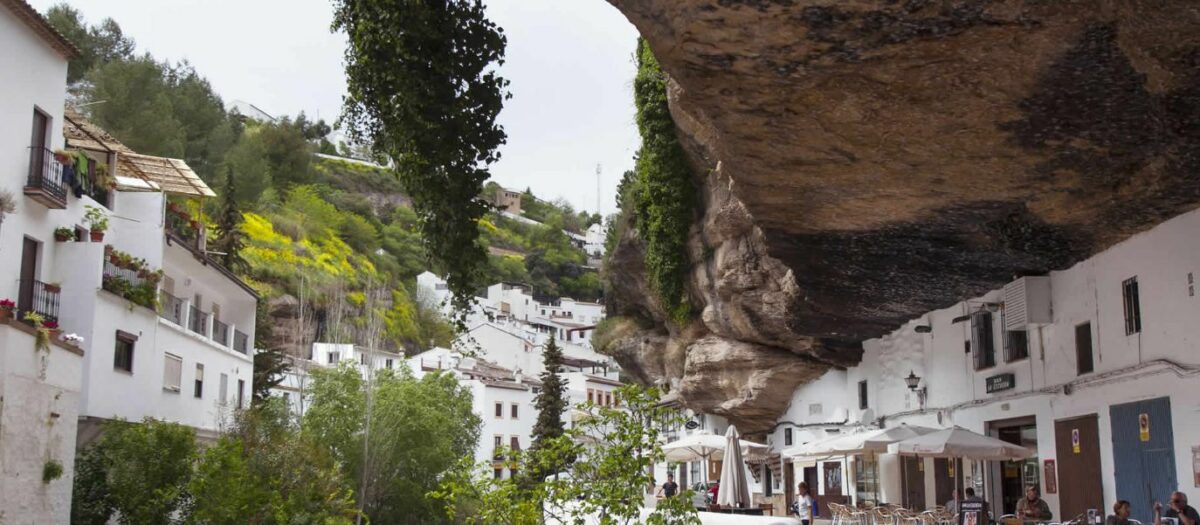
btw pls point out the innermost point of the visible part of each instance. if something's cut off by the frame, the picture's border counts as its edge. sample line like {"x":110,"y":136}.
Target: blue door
{"x":1143,"y":454}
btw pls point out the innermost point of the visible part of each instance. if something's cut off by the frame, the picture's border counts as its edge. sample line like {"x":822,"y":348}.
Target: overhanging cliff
{"x":862,"y":162}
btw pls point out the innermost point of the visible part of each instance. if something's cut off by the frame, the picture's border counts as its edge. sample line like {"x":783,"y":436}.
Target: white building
{"x":39,"y":390}
{"x":594,"y":241}
{"x":332,"y":354}
{"x":1093,"y":367}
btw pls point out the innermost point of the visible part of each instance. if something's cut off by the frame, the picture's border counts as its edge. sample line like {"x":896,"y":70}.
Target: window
{"x":766,"y":477}
{"x":497,"y":442}
{"x":982,"y":340}
{"x":334,"y":358}
{"x":241,"y":393}
{"x":1083,"y":348}
{"x":388,"y":363}
{"x":1016,"y":345}
{"x":1133,"y":308}
{"x":223,"y":394}
{"x":515,"y":409}
{"x":787,"y":437}
{"x":123,"y":356}
{"x":514,"y":443}
{"x":862,"y":395}
{"x":499,"y":410}
{"x":198,"y":388}
{"x":591,"y":396}
{"x":172,"y":372}
{"x":362,"y":359}
{"x":497,"y":473}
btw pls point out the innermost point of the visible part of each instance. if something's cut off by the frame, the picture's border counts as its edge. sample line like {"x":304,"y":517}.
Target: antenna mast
{"x":598,"y":189}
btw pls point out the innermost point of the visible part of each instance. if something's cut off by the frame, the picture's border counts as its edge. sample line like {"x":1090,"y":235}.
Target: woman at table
{"x":802,"y":507}
{"x":1120,"y":515}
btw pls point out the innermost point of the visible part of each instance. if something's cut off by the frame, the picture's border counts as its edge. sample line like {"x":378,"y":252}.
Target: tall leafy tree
{"x":422,"y":89}
{"x":97,"y":44}
{"x":230,"y":239}
{"x":551,"y":403}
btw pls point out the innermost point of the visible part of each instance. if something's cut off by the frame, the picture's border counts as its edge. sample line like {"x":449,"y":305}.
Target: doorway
{"x":1143,"y":454}
{"x":1077,"y":443}
{"x":1011,"y":478}
{"x":789,"y":484}
{"x":29,"y":260}
{"x":947,"y":477}
{"x":811,"y":478}
{"x":913,"y":479}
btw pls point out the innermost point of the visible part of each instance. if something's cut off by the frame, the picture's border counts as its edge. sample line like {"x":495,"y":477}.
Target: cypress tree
{"x":551,"y":402}
{"x":229,"y":238}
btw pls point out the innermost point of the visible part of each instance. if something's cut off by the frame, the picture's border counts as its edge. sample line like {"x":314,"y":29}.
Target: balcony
{"x":220,"y":333}
{"x":186,"y":230}
{"x":198,"y":321}
{"x":38,"y":297}
{"x":45,"y":182}
{"x":241,"y":342}
{"x":172,"y":308}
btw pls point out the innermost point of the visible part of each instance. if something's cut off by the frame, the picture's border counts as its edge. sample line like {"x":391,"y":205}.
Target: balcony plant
{"x":64,"y":234}
{"x":41,"y":340}
{"x":104,"y":177}
{"x":8,"y":204}
{"x":97,"y":222}
{"x":7,"y":307}
{"x":140,"y":288}
{"x":52,"y":287}
{"x":62,"y":156}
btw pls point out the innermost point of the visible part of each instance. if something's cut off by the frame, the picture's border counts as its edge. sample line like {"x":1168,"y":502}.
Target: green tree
{"x":551,"y":403}
{"x":230,"y":239}
{"x":97,"y":44}
{"x":422,"y":89}
{"x":138,"y":470}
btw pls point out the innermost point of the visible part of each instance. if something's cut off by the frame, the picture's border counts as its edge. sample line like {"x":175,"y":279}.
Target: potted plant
{"x":64,"y":234}
{"x":62,"y":156}
{"x":8,"y":204}
{"x":52,"y":287}
{"x":104,"y":178}
{"x":7,"y":307}
{"x":97,"y":222}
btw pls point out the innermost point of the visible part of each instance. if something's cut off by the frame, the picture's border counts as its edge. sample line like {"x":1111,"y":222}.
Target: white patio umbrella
{"x":735,"y":490}
{"x":812,"y":448}
{"x":876,"y":441}
{"x":703,"y":447}
{"x":959,"y":442}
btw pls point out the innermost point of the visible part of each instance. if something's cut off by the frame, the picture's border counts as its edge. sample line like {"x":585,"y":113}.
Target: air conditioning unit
{"x":1027,"y":302}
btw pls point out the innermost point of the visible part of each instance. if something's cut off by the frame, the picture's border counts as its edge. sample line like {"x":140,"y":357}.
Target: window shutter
{"x":172,"y":372}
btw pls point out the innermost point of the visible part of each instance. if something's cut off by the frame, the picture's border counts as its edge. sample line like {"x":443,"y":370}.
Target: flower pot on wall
{"x":5,"y":315}
{"x":61,"y":237}
{"x":97,"y":236}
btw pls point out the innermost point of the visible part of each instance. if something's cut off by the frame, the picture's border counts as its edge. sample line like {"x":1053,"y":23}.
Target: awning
{"x":174,"y":176}
{"x":959,"y":442}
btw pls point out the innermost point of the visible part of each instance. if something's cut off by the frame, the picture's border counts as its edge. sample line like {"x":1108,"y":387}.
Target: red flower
{"x":7,"y":304}
{"x":50,"y":325}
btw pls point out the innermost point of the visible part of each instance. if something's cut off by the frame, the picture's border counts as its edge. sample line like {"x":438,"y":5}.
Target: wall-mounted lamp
{"x":914,"y":381}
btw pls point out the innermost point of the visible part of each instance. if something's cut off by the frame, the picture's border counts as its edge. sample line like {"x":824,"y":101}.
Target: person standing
{"x":802,"y":507}
{"x":973,"y":510}
{"x":1179,"y":509}
{"x":1120,"y":515}
{"x":670,"y":488}
{"x":1032,"y":507}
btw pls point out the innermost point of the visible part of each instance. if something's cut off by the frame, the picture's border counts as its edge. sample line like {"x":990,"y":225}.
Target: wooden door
{"x":789,"y":484}
{"x":914,"y":482}
{"x":1077,"y":442}
{"x":1143,"y":448}
{"x":810,"y":477}
{"x":947,"y":474}
{"x":29,"y":256}
{"x":37,"y":142}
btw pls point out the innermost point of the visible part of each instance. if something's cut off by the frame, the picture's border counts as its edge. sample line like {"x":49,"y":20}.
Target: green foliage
{"x":551,"y":403}
{"x":613,"y":451}
{"x":666,"y":195}
{"x":51,"y":470}
{"x":97,"y":44}
{"x":229,"y":239}
{"x":138,"y":470}
{"x":418,"y":430}
{"x":423,"y":89}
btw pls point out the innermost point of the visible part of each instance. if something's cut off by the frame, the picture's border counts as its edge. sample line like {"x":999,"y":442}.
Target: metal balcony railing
{"x":183,"y":228}
{"x":241,"y":342}
{"x":38,"y":297}
{"x":198,"y":321}
{"x":172,"y":308}
{"x":220,"y":333}
{"x":45,"y":182}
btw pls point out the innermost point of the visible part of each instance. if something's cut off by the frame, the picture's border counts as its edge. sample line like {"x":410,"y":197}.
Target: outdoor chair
{"x":767,"y":508}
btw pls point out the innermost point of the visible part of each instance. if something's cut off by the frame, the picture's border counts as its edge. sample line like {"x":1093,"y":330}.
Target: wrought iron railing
{"x":198,"y":321}
{"x":172,"y":308}
{"x":241,"y":341}
{"x":45,"y":182}
{"x":40,"y":298}
{"x":220,"y":333}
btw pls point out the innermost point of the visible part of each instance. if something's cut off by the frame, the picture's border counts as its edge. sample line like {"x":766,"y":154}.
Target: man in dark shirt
{"x":1032,"y":507}
{"x":1179,"y":509}
{"x":670,"y":488}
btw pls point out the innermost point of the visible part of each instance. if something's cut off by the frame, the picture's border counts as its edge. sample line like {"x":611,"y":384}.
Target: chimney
{"x":518,"y":376}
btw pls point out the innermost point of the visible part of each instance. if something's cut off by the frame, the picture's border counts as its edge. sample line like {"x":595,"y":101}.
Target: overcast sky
{"x":570,"y":63}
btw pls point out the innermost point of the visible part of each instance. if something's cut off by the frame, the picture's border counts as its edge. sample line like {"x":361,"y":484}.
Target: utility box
{"x":1027,"y":302}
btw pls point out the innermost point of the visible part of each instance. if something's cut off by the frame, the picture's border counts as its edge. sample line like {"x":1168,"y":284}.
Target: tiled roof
{"x":172,"y":176}
{"x":38,"y":23}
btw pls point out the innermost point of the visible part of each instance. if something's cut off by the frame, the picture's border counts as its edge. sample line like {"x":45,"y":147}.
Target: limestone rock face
{"x":865,"y":161}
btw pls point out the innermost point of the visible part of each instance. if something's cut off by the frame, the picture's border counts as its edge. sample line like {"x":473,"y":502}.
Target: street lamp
{"x":914,"y":381}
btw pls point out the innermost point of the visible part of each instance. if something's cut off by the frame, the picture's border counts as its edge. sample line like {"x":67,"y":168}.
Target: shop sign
{"x":1075,"y":440}
{"x":1001,"y":382}
{"x":1144,"y":427}
{"x":1052,"y":477}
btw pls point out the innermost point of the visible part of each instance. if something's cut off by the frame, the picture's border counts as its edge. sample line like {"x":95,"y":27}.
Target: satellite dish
{"x":691,"y":424}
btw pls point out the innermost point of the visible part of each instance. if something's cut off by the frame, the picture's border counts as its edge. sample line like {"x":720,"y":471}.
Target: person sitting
{"x":1033,"y":508}
{"x":1179,"y":510}
{"x":952,"y":505}
{"x":1120,"y":515}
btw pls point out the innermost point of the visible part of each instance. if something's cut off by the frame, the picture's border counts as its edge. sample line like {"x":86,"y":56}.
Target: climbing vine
{"x":665,"y":194}
{"x":422,"y":89}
